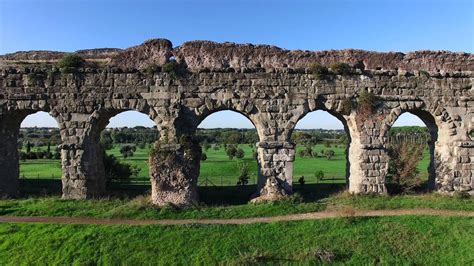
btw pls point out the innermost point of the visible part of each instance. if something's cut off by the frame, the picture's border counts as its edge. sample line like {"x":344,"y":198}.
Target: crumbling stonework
{"x":174,"y":169}
{"x":272,"y":87}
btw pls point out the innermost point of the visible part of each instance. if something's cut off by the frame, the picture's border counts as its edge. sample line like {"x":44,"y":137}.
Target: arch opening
{"x":322,"y":141}
{"x":229,"y":168}
{"x":37,"y":156}
{"x":411,"y":150}
{"x":124,"y":140}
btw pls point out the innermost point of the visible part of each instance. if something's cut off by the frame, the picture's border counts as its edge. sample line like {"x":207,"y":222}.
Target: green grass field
{"x":384,"y":240}
{"x":139,"y":207}
{"x":219,"y":170}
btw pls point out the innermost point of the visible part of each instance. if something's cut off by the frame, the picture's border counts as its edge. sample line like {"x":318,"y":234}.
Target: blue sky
{"x":381,"y":25}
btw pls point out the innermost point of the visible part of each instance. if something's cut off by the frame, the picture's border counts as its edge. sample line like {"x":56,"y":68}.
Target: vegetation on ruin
{"x":152,"y":69}
{"x":340,"y":68}
{"x":34,"y":78}
{"x":319,"y":71}
{"x":173,"y":68}
{"x":346,"y":107}
{"x":366,"y":103}
{"x":70,"y":62}
{"x":424,"y":73}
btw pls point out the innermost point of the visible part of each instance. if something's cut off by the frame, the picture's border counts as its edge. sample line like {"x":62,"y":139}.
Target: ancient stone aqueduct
{"x":272,"y":87}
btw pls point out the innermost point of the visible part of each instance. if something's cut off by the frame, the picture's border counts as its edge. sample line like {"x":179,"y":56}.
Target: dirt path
{"x":291,"y":217}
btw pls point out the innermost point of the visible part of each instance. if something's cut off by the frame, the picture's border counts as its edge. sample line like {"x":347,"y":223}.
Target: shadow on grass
{"x":211,"y":195}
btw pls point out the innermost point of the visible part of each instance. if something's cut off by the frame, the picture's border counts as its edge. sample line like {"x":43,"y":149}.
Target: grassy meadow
{"x":219,"y":170}
{"x":308,"y":200}
{"x":384,"y":240}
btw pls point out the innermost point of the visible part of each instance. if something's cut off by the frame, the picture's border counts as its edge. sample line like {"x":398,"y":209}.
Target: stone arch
{"x":232,"y":166}
{"x":247,"y":109}
{"x":344,"y":121}
{"x":10,"y":122}
{"x":438,"y":123}
{"x":97,"y":122}
{"x":331,"y":106}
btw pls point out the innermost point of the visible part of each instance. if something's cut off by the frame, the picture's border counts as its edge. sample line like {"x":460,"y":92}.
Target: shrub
{"x":346,"y":107}
{"x":23,"y":156}
{"x":117,"y":171}
{"x":40,"y":154}
{"x":244,"y":176}
{"x":127,"y":150}
{"x":302,"y":153}
{"x":340,"y":68}
{"x":231,"y":151}
{"x":70,"y":62}
{"x":402,"y":171}
{"x":106,"y":140}
{"x":424,"y":73}
{"x":173,"y":68}
{"x":319,"y":71}
{"x":203,"y":156}
{"x":206,"y":146}
{"x":319,"y":175}
{"x":34,"y":78}
{"x":152,"y":69}
{"x":142,"y":145}
{"x":240,"y":153}
{"x":462,"y":195}
{"x":329,"y":154}
{"x":301,"y":181}
{"x":367,"y":101}
{"x":327,"y":144}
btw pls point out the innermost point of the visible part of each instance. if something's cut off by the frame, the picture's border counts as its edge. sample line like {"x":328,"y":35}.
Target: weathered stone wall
{"x":270,"y":86}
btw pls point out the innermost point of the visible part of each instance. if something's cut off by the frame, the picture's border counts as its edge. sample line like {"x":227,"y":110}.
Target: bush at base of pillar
{"x":174,"y":169}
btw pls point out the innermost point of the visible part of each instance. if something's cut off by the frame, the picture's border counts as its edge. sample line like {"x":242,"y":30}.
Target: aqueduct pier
{"x":272,"y":87}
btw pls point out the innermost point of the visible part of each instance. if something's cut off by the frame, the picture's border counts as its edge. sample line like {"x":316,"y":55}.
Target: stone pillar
{"x":276,"y":170}
{"x":367,"y":158}
{"x":82,"y":162}
{"x":454,"y":161}
{"x":9,"y":159}
{"x":174,"y":169}
{"x":463,"y":174}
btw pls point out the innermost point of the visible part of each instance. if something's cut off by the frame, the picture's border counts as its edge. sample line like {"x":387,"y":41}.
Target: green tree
{"x":206,"y":146}
{"x":234,"y":138}
{"x":28,"y":147}
{"x":329,"y":154}
{"x":244,"y":176}
{"x":319,"y":175}
{"x":106,"y":140}
{"x":127,"y":150}
{"x":231,"y":151}
{"x":327,"y":144}
{"x":117,"y":171}
{"x":402,"y":170}
{"x":239,"y":153}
